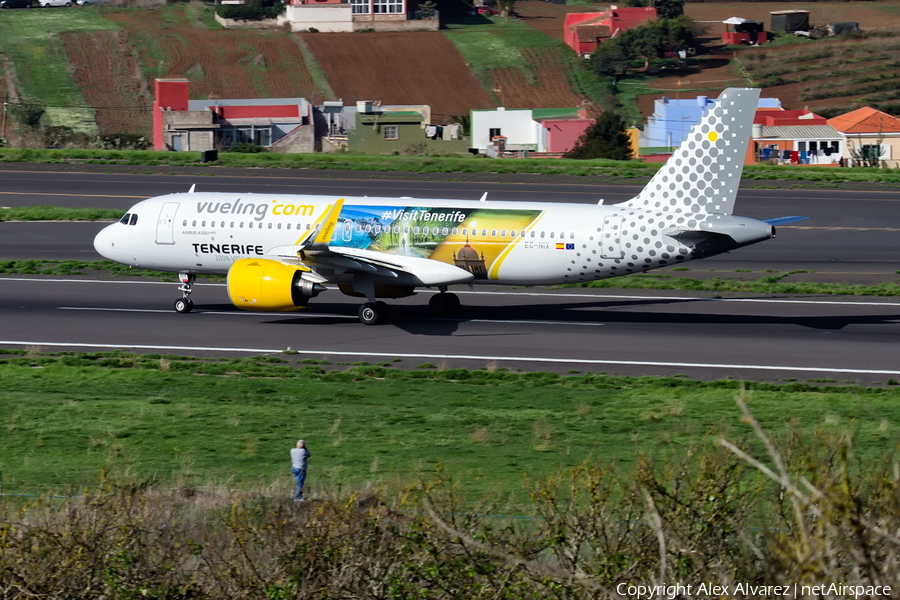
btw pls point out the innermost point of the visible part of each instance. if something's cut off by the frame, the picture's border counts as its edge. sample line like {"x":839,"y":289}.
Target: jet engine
{"x":262,"y":284}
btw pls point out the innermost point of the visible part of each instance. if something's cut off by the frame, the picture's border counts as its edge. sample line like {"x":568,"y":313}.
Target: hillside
{"x":93,"y":68}
{"x":104,"y":60}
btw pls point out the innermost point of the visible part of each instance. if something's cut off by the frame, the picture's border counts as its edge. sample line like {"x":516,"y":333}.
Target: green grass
{"x":31,"y":39}
{"x":82,"y":267}
{"x":215,"y":420}
{"x":56,"y":213}
{"x":656,"y":281}
{"x":615,"y":170}
{"x":765,"y":285}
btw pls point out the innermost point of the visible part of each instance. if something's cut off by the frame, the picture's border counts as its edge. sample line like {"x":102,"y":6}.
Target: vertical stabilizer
{"x":703,"y":174}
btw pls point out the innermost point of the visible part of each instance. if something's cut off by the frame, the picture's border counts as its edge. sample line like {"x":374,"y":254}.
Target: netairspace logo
{"x":670,"y":592}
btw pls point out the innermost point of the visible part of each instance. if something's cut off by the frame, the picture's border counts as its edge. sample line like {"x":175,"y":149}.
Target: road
{"x":852,"y":237}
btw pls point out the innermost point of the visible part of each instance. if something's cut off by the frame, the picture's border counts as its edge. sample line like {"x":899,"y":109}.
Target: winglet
{"x":322,"y":230}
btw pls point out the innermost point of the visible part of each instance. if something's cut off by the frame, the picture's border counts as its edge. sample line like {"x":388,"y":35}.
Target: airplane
{"x":279,"y":250}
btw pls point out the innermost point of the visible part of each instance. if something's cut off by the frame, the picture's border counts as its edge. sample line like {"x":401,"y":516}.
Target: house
{"x":865,"y":129}
{"x":797,"y":137}
{"x":358,"y":15}
{"x":672,"y":120}
{"x":537,"y":130}
{"x":745,"y":31}
{"x":279,"y":124}
{"x":583,"y":31}
{"x":403,"y":129}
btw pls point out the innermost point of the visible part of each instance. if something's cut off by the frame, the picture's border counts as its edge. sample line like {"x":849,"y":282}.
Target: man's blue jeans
{"x":300,"y":477}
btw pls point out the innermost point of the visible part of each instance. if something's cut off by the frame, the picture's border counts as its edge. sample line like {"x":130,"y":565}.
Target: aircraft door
{"x":611,"y":237}
{"x":165,"y":226}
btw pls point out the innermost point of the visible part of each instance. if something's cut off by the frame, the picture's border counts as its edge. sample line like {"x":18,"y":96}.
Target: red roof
{"x":865,"y":120}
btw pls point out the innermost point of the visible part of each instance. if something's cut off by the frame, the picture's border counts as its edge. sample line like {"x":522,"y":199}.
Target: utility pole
{"x":5,"y":102}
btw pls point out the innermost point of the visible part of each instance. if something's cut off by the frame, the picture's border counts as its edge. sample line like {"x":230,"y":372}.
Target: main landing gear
{"x":444,"y":304}
{"x":374,"y":313}
{"x":184,"y":304}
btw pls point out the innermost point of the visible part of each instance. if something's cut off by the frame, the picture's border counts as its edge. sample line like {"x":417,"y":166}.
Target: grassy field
{"x":67,"y":417}
{"x":615,"y":170}
{"x":769,"y":283}
{"x":31,"y":39}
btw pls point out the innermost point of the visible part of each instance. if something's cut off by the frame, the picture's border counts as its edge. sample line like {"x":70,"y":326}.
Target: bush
{"x":249,"y":12}
{"x":245,"y":148}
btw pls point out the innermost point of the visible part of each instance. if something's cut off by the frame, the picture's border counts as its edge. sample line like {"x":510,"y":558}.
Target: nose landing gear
{"x":185,"y":304}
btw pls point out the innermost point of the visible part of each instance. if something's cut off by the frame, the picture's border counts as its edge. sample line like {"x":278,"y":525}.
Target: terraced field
{"x":399,"y":68}
{"x":110,"y":78}
{"x":219,"y":63}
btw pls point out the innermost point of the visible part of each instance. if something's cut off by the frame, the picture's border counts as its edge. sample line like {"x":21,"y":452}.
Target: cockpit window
{"x":124,"y":220}
{"x":133,"y":219}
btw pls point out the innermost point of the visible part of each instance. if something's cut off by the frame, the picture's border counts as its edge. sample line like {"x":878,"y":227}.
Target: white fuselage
{"x":501,"y":242}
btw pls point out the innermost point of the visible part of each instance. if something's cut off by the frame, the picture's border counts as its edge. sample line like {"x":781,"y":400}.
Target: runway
{"x":852,"y":236}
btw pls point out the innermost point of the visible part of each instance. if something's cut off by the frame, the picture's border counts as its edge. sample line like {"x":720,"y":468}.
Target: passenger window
{"x":445,"y":231}
{"x":279,"y":226}
{"x":532,"y":233}
{"x":288,"y":225}
{"x":232,"y":224}
{"x":493,"y":233}
{"x":552,"y":234}
{"x":242,"y":224}
{"x":542,"y":234}
{"x":406,"y":230}
{"x":503,"y":233}
{"x":308,"y":226}
{"x":465,"y":231}
{"x":184,"y":224}
{"x":415,"y":230}
{"x":454,"y":231}
{"x":193,"y":223}
{"x":572,"y":236}
{"x":484,"y":233}
{"x":203,"y":224}
{"x":133,"y":220}
{"x":368,"y":228}
{"x":512,"y":233}
{"x":270,"y":226}
{"x":377,"y":229}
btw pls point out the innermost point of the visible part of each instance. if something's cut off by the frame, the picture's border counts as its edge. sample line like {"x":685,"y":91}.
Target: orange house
{"x":583,"y":31}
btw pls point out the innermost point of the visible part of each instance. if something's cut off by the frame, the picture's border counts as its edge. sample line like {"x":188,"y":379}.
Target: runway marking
{"x":70,"y":195}
{"x":535,"y":294}
{"x":475,"y":357}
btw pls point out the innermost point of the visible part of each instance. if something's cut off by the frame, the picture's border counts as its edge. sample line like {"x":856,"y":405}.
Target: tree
{"x":604,"y":139}
{"x":649,"y":41}
{"x":669,"y":9}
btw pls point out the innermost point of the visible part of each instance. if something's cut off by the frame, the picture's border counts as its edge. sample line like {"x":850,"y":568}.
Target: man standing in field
{"x":299,"y":457}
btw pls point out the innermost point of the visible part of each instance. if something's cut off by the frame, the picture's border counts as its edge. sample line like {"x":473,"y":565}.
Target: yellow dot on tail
{"x":713,"y":136}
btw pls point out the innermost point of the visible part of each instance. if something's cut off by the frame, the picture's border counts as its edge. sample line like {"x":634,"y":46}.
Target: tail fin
{"x":704,"y":172}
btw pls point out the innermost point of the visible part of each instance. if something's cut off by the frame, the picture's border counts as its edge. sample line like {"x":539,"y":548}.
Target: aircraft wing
{"x":339,"y":260}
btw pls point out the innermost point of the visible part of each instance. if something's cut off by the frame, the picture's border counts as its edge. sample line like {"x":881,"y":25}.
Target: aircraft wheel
{"x":444,"y":305}
{"x":373,"y":313}
{"x":184,"y":305}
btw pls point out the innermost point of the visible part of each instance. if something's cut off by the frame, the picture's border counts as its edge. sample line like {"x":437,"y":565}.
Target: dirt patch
{"x":869,"y":15}
{"x":106,"y":70}
{"x":226,"y":64}
{"x":550,"y":87}
{"x":549,"y":18}
{"x":399,"y":68}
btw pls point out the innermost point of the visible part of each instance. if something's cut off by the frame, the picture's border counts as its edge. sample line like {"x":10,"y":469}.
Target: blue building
{"x":672,"y":120}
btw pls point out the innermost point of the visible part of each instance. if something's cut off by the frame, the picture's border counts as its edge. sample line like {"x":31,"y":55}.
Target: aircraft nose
{"x":105,"y":243}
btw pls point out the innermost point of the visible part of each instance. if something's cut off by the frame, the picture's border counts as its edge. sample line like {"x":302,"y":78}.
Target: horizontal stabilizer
{"x":784,"y":220}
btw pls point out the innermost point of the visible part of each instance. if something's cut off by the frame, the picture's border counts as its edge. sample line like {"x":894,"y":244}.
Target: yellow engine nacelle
{"x":262,"y":284}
